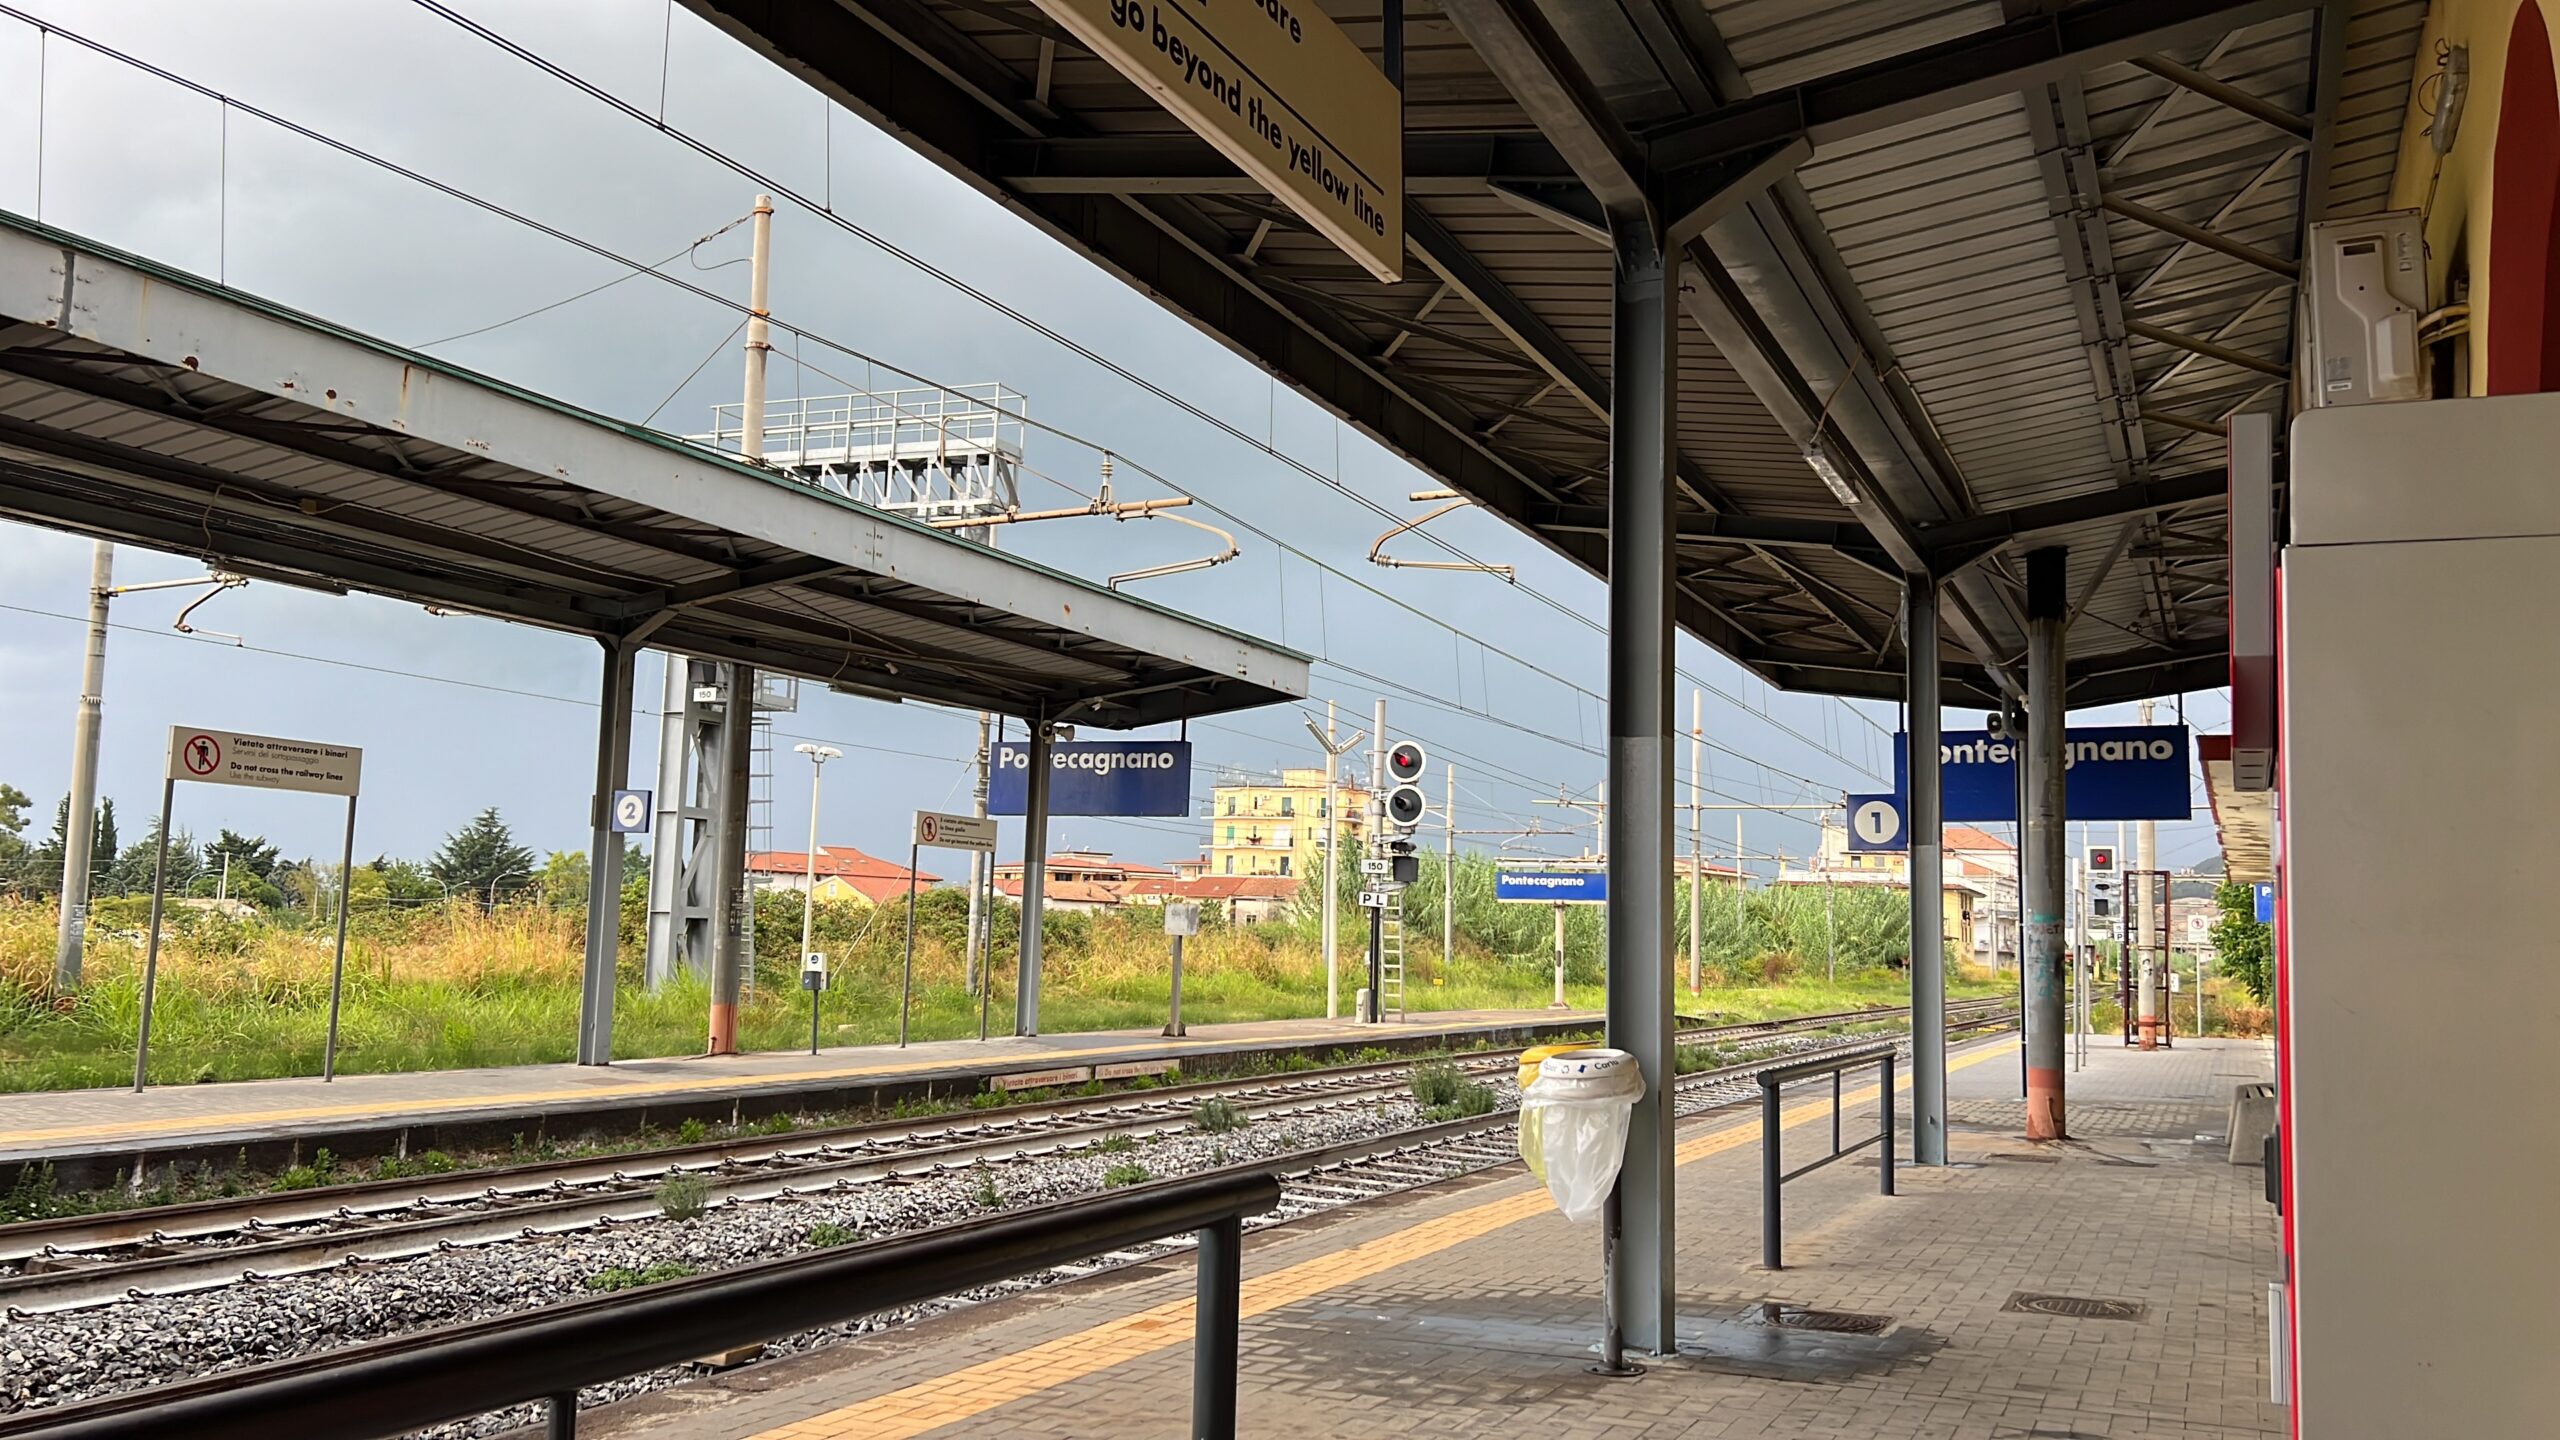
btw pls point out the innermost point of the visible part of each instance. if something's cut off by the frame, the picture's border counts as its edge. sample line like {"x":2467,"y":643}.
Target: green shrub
{"x":1117,"y":1145}
{"x":683,"y":1197}
{"x":1218,"y":1115}
{"x":692,"y":1132}
{"x":988,"y":1196}
{"x":1436,"y":1083}
{"x":827,"y":1234}
{"x":623,"y":1277}
{"x":1128,"y":1172}
{"x":1469,"y":1099}
{"x":776,"y":1123}
{"x":323,"y":1170}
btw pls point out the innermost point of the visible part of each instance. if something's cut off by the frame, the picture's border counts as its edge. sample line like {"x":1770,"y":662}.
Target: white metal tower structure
{"x":944,"y":457}
{"x":940,"y":456}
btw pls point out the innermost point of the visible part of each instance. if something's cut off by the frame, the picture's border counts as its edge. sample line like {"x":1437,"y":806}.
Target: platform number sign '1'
{"x":1875,"y":823}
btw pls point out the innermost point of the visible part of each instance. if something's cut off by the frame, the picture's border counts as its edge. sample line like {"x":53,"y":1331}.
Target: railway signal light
{"x":1404,"y":762}
{"x":1405,"y":805}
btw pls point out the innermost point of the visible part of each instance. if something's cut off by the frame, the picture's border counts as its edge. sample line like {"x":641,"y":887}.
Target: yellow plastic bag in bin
{"x":1532,"y":1125}
{"x":1578,"y":1109}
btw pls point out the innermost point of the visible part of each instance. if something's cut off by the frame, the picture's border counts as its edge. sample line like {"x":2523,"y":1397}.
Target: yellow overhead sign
{"x":1281,"y":91}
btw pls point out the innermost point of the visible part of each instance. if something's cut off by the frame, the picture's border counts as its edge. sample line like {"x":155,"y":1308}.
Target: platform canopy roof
{"x":138,"y":404}
{"x":2018,"y":259}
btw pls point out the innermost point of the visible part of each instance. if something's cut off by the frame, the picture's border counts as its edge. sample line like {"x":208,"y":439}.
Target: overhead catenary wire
{"x":564,"y":237}
{"x":1075,"y":347}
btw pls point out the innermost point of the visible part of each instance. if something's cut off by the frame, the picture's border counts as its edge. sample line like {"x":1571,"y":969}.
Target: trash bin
{"x":1580,"y":1103}
{"x":1532,"y":1126}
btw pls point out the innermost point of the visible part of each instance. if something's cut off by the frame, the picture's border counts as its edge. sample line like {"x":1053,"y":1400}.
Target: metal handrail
{"x":404,"y":1383}
{"x":1773,"y":1177}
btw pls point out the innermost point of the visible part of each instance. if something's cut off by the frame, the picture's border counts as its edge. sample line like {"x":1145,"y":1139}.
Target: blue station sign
{"x":1552,"y":887}
{"x":1097,"y":777}
{"x":2110,"y":772}
{"x":2264,"y":894}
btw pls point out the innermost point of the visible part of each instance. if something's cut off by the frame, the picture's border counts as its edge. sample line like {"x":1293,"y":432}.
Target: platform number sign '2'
{"x":630,"y":812}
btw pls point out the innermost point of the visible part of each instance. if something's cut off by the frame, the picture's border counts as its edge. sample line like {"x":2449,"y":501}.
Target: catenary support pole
{"x":1448,"y":864}
{"x":732,"y":905}
{"x":1698,"y":838}
{"x":907,"y":973}
{"x":1035,"y":879}
{"x":1644,"y":369}
{"x":665,"y":953}
{"x":338,"y":957}
{"x":1332,"y":896}
{"x":2046,"y":606}
{"x":2156,"y":961}
{"x":1558,"y":1003}
{"x":80,"y":838}
{"x":1925,"y":826}
{"x":151,"y":945}
{"x":1373,"y":1009}
{"x":604,"y":865}
{"x":979,"y":860}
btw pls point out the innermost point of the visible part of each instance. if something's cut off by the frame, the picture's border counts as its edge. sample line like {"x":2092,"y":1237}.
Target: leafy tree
{"x":132,"y":873}
{"x":103,"y":851}
{"x":17,"y":872}
{"x":483,"y":860}
{"x":563,"y":881}
{"x":2244,"y":945}
{"x":251,"y":853}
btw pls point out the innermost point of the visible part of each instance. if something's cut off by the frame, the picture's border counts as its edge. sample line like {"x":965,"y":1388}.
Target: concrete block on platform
{"x":2253,"y":1119}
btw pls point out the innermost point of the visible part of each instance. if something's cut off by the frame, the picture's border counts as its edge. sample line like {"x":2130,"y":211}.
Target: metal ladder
{"x":1391,"y":960}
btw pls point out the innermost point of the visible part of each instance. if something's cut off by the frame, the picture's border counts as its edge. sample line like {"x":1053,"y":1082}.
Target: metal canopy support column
{"x":1642,"y":373}
{"x":733,"y":918}
{"x":604,"y":867}
{"x":1928,"y":898}
{"x":1035,"y":879}
{"x":2043,"y":885}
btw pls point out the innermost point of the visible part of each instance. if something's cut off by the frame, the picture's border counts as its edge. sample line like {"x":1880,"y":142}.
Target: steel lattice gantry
{"x":145,"y":406}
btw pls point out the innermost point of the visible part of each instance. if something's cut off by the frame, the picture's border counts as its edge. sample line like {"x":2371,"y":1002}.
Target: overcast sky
{"x":458,"y":713}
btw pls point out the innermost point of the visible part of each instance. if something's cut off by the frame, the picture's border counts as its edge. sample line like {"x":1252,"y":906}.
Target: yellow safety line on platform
{"x":464,"y":1104}
{"x":973,"y":1391}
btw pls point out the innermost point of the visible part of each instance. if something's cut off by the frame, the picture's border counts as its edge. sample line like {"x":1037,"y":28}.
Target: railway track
{"x":76,"y":1262}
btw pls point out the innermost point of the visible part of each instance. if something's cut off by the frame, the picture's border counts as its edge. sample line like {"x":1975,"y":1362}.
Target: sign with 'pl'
{"x":2110,"y":772}
{"x":1552,"y":887}
{"x":263,"y":762}
{"x":955,"y":832}
{"x":1278,"y":89}
{"x":1097,"y":777}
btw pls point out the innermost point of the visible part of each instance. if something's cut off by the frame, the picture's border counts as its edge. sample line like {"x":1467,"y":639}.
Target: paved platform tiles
{"x":1472,"y":1309}
{"x":38,"y":1123}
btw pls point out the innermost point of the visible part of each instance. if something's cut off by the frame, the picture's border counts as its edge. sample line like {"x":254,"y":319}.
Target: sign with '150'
{"x":1279,"y":90}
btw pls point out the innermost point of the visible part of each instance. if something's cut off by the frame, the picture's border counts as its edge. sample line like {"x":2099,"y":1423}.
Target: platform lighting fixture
{"x":1818,"y":455}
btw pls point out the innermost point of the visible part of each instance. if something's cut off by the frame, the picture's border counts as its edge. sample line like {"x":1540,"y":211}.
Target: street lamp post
{"x":818,"y":755}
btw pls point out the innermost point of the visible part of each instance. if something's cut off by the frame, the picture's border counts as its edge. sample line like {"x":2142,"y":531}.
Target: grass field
{"x":452,"y":987}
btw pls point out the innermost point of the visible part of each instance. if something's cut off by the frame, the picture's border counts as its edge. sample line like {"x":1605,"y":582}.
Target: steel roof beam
{"x":2241,"y":359}
{"x":1523,"y":50}
{"x":2016,"y":56}
{"x":2225,"y":94}
{"x":2168,"y":224}
{"x":1435,"y":164}
{"x":1958,"y":543}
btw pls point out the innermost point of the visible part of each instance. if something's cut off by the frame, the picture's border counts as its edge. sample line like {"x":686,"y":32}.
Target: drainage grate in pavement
{"x":2075,"y":1307}
{"x":1829,"y":1322}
